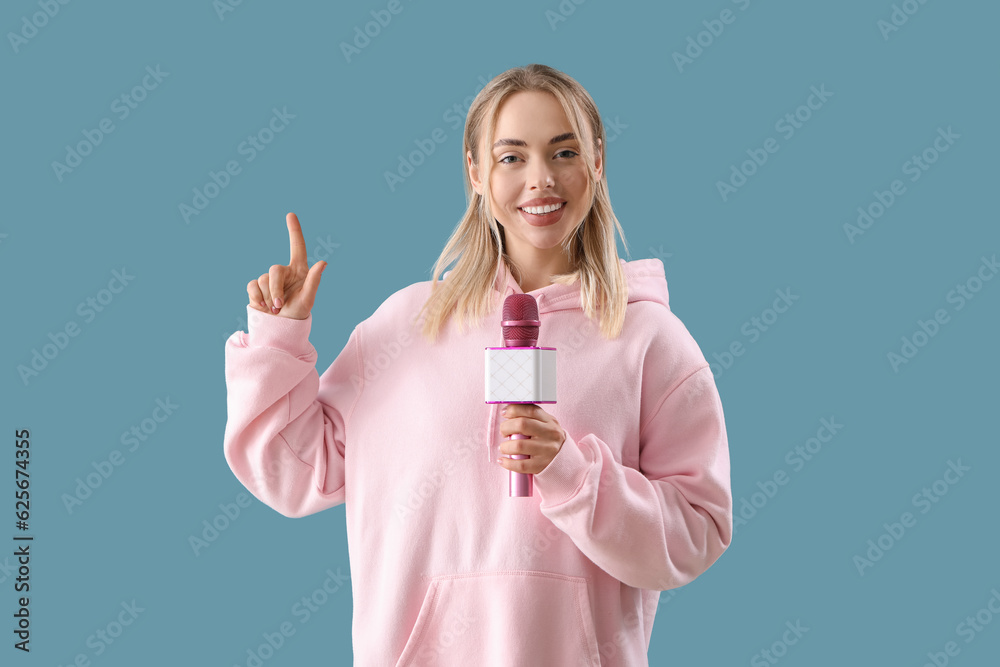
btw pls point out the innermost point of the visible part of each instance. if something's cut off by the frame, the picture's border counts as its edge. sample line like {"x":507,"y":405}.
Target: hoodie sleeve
{"x":660,"y":526}
{"x":286,"y":427}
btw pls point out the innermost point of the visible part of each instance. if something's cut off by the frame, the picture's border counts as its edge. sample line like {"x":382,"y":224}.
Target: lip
{"x":542,"y":220}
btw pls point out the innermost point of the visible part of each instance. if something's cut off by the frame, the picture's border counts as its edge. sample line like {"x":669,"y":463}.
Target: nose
{"x":541,"y":175}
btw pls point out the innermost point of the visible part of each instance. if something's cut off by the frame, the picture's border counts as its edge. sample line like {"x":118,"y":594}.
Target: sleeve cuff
{"x":281,"y":333}
{"x":564,"y":475}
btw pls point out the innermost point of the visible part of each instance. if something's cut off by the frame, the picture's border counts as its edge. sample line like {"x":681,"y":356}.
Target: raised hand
{"x":288,"y":290}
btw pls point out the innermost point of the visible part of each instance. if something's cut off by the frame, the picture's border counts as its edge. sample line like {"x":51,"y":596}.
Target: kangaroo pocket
{"x":503,"y":619}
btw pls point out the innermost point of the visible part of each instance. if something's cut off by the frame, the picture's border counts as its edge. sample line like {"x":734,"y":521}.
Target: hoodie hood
{"x":646,"y":282}
{"x":645,"y":277}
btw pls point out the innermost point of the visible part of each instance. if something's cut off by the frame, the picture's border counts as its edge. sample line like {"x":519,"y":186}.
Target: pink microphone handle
{"x":520,"y":484}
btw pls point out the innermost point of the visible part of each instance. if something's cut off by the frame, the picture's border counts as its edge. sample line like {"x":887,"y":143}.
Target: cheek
{"x":505,"y":193}
{"x":576,"y":182}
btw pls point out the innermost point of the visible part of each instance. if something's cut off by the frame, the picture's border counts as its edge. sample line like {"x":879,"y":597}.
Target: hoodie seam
{"x":347,"y":419}
{"x":361,"y":387}
{"x":667,"y":395}
{"x":289,"y":446}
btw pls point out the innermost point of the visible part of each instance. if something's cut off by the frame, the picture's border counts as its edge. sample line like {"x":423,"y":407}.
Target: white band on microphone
{"x":521,"y":375}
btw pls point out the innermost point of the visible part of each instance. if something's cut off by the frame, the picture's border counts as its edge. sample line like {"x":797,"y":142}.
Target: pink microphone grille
{"x":524,"y":308}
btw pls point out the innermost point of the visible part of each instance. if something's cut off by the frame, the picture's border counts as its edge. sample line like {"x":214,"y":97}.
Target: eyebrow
{"x":566,"y":136}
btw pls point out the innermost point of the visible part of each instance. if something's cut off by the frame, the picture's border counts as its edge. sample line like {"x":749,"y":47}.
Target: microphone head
{"x":520,"y":321}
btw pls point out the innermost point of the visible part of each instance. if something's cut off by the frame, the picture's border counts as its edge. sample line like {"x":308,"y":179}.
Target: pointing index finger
{"x":297,"y":243}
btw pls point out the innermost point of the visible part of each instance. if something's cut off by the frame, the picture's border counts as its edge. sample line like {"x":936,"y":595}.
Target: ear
{"x":477,"y":182}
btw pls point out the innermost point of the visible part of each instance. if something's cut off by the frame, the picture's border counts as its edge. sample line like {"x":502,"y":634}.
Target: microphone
{"x":520,"y":372}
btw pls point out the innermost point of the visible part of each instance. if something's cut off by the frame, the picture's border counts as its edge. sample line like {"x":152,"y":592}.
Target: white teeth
{"x":540,"y":210}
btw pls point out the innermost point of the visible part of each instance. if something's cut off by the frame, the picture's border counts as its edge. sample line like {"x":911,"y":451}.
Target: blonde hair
{"x":479,"y":244}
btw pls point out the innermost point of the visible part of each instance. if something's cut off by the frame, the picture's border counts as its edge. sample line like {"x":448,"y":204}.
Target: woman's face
{"x":529,"y":166}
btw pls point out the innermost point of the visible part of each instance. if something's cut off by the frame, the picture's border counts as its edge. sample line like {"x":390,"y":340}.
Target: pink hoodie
{"x":446,"y":569}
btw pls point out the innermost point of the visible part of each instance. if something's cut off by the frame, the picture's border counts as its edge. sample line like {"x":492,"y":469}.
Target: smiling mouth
{"x":542,"y":210}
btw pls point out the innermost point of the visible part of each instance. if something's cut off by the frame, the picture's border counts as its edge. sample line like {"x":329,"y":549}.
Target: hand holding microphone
{"x":522,"y":374}
{"x":546,"y":438}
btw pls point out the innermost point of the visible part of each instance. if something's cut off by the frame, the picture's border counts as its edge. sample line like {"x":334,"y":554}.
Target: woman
{"x":631,"y":465}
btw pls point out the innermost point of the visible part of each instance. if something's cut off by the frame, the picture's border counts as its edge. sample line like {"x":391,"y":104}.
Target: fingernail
{"x":504,"y":411}
{"x":277,"y":302}
{"x":262,"y":304}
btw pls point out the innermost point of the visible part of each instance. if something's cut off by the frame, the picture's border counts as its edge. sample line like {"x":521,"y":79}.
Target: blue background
{"x":675,"y":132}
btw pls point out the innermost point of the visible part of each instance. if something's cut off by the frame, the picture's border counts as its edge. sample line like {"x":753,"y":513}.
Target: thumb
{"x":311,"y":283}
